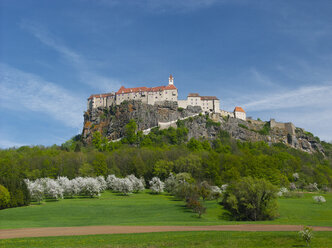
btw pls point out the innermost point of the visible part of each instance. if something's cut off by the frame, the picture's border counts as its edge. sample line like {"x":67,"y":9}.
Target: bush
{"x":19,"y":193}
{"x":243,"y":126}
{"x":4,"y":197}
{"x":306,"y":234}
{"x":156,"y":185}
{"x":319,"y":199}
{"x":251,"y":199}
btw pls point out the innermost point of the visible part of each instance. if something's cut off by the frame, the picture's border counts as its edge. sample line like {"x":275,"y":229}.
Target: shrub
{"x":36,"y":190}
{"x":156,"y":185}
{"x":138,"y":184}
{"x":198,"y":208}
{"x":319,"y":199}
{"x":19,"y":193}
{"x":242,"y":126}
{"x":265,"y":130}
{"x":123,"y":185}
{"x":306,"y":234}
{"x":312,"y":187}
{"x":4,"y":197}
{"x":282,"y":192}
{"x":251,"y":199}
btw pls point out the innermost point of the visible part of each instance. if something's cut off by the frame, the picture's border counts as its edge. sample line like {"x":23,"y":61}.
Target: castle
{"x":159,"y":94}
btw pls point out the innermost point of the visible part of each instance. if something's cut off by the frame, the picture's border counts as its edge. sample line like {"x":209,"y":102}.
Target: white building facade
{"x":207,"y":103}
{"x":239,"y":113}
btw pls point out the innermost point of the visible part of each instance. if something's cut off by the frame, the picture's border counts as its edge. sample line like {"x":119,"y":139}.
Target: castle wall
{"x":182,"y":103}
{"x":289,"y":127}
{"x":226,"y":113}
{"x":240,"y":115}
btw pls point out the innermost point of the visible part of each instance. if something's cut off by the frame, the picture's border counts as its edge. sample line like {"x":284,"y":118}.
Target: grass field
{"x":147,"y":209}
{"x":176,"y":239}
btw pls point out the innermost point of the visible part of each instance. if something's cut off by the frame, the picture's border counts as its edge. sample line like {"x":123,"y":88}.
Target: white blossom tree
{"x":52,"y":188}
{"x":319,"y":199}
{"x":156,"y":185}
{"x":138,"y":184}
{"x":36,"y":190}
{"x":102,"y":182}
{"x":282,"y":191}
{"x":88,"y":186}
{"x":110,"y":180}
{"x":68,"y":186}
{"x":123,"y":185}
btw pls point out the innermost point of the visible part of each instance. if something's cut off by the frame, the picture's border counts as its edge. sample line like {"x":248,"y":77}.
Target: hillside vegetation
{"x":218,"y":161}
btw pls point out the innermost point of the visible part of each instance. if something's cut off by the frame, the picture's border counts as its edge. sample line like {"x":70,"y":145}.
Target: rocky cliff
{"x":250,"y":130}
{"x":110,"y":122}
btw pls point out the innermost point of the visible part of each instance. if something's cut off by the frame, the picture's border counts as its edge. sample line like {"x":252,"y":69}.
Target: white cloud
{"x":9,"y":143}
{"x":313,"y":97}
{"x":86,"y":74}
{"x":25,"y":91}
{"x":308,"y":107}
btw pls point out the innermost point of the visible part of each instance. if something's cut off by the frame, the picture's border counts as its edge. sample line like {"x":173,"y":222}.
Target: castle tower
{"x":170,"y":80}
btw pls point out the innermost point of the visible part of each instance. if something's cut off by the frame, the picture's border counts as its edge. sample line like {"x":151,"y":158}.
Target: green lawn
{"x":147,"y":209}
{"x":176,"y":239}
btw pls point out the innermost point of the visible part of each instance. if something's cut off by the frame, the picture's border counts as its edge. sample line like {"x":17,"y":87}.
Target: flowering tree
{"x":306,"y":234}
{"x":69,"y":187}
{"x":296,"y":176}
{"x":123,"y":185}
{"x":138,"y":184}
{"x":319,"y":199}
{"x":282,"y":191}
{"x":156,"y":185}
{"x":312,"y":187}
{"x":292,"y":186}
{"x":110,"y":180}
{"x":88,"y":186}
{"x":52,"y":188}
{"x":102,"y":183}
{"x":36,"y":190}
{"x":170,"y":183}
{"x":216,"y":192}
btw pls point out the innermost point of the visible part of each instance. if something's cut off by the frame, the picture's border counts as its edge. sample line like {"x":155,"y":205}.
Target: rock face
{"x":110,"y":122}
{"x":199,"y":127}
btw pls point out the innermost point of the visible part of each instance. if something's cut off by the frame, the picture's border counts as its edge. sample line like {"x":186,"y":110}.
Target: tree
{"x":251,"y":199}
{"x":194,"y":145}
{"x":156,"y":185}
{"x":130,"y":132}
{"x":163,"y":168}
{"x":87,"y":170}
{"x":99,"y":164}
{"x":4,"y":197}
{"x":36,"y":190}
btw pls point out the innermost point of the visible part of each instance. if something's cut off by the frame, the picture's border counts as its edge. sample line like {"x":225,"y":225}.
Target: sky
{"x":273,"y":58}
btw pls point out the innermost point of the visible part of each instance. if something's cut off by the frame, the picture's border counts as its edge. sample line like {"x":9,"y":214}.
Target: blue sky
{"x":273,"y":58}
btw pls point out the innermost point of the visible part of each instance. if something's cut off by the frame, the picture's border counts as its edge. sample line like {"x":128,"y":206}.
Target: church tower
{"x":170,"y":80}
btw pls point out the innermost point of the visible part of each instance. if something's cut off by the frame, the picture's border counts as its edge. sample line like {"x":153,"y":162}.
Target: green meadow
{"x":148,"y":209}
{"x":176,"y":239}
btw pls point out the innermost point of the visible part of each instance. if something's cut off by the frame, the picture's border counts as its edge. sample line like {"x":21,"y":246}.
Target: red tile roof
{"x":193,"y":95}
{"x":239,"y":109}
{"x":146,"y":89}
{"x":209,"y":98}
{"x":101,"y":95}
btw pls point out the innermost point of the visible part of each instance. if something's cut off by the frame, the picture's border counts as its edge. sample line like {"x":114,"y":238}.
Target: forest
{"x":161,"y":152}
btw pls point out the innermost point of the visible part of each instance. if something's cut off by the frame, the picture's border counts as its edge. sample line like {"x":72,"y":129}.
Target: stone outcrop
{"x":110,"y":122}
{"x":251,"y":131}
